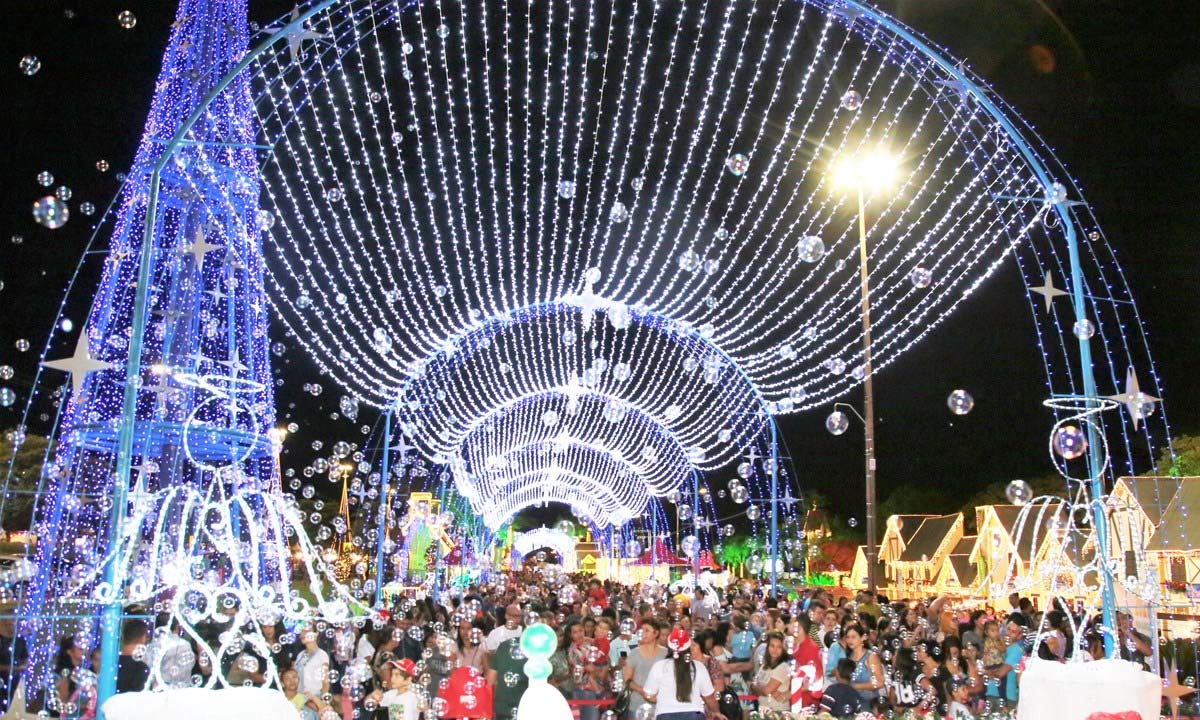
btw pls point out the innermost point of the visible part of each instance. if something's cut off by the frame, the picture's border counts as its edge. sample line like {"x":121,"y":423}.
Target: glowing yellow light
{"x":873,"y":169}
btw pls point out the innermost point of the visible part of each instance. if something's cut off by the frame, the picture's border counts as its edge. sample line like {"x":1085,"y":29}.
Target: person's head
{"x":958,"y":690}
{"x":290,"y":680}
{"x":951,"y":649}
{"x":978,"y":619}
{"x":845,"y":669}
{"x":679,"y":642}
{"x":854,"y":636}
{"x":572,"y":634}
{"x":604,"y":629}
{"x":991,"y":629}
{"x":804,"y":624}
{"x":971,"y":651}
{"x":927,"y":651}
{"x":403,"y":671}
{"x":1014,"y":600}
{"x":133,"y":633}
{"x":309,"y":638}
{"x":776,"y":654}
{"x":1014,"y":628}
{"x":70,"y":654}
{"x":512,"y":616}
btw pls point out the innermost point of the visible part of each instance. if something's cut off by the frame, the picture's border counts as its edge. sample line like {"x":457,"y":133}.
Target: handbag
{"x":621,"y":704}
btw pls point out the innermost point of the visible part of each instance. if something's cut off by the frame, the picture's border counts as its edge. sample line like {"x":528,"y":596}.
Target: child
{"x":840,"y":700}
{"x":728,"y":703}
{"x":993,"y":655}
{"x":400,"y":701}
{"x":959,"y":692}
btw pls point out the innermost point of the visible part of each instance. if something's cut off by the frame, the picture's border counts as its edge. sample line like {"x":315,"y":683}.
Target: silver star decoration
{"x":216,"y":294}
{"x":234,"y":363}
{"x":1047,"y":290}
{"x":79,"y":364}
{"x":200,"y":247}
{"x":1133,"y":398}
{"x":958,"y":87}
{"x":296,"y":35}
{"x":848,"y":12}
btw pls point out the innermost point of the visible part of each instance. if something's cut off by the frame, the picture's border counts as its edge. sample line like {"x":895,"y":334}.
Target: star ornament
{"x":1174,"y":691}
{"x":1139,"y":404}
{"x":79,"y":364}
{"x":1047,"y":290}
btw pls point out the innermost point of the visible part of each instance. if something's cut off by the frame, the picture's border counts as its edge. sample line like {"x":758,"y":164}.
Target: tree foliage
{"x":1186,"y":460}
{"x":16,"y":505}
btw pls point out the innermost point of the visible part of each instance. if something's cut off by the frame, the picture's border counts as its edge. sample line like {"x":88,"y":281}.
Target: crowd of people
{"x":630,"y":653}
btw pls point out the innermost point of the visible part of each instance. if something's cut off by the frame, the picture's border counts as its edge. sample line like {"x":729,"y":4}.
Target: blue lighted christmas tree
{"x":196,"y":400}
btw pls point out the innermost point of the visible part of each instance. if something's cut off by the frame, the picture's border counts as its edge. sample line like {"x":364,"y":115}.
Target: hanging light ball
{"x":837,"y":422}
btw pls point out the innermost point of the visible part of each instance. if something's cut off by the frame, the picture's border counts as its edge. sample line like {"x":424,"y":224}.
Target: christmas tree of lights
{"x":171,"y":368}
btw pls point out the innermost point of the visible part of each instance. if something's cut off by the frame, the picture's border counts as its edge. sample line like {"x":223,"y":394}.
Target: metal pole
{"x":774,"y":506}
{"x":1095,"y":462}
{"x":437,"y":558}
{"x":385,"y":478}
{"x":868,"y":396}
{"x":696,"y":532}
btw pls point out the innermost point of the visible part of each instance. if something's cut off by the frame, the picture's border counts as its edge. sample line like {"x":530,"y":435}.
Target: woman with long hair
{"x":773,"y":679}
{"x":469,"y":639}
{"x":680,"y":686}
{"x":868,"y":670}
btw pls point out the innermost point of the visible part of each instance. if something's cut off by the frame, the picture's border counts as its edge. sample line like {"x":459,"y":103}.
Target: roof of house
{"x":924,"y":543}
{"x":880,"y":565}
{"x":908,"y":525}
{"x":1153,"y":494}
{"x":1177,"y":530}
{"x":965,"y":570}
{"x":1010,"y":519}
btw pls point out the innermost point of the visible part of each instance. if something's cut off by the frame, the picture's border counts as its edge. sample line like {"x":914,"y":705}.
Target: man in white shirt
{"x":313,"y":666}
{"x":509,"y":630}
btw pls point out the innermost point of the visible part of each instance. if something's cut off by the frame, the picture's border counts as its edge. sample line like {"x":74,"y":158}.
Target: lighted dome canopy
{"x":430,"y":168}
{"x":591,"y":500}
{"x":555,"y":424}
{"x":434,"y":165}
{"x":629,"y":369}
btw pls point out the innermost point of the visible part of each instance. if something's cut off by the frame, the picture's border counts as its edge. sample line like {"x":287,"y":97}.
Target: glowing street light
{"x":873,"y":170}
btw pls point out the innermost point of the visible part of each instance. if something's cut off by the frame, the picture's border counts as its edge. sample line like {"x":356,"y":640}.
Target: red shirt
{"x":807,"y":655}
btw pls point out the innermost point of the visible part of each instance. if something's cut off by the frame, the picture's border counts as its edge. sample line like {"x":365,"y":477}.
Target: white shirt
{"x":173,"y":657}
{"x":499,"y":635}
{"x":406,"y":700}
{"x":661,"y":686}
{"x":365,"y":650}
{"x":314,"y":670}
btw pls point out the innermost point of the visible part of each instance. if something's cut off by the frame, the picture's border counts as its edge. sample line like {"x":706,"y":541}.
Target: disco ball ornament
{"x":1084,"y":329}
{"x":50,"y":212}
{"x":126,"y":19}
{"x":960,"y":402}
{"x":737,"y":164}
{"x":837,"y":422}
{"x":852,"y":100}
{"x":1018,"y":492}
{"x":811,"y":248}
{"x":30,"y":65}
{"x":920,"y":277}
{"x":1069,"y":442}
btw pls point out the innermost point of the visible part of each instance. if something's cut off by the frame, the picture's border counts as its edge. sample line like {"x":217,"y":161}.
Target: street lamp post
{"x":874,"y":169}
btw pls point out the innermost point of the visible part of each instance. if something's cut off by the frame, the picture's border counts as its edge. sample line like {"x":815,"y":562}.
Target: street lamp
{"x":870,"y":170}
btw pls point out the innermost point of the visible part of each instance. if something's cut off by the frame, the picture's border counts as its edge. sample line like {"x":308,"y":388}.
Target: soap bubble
{"x":633,"y":548}
{"x":87,"y":209}
{"x":920,"y":277}
{"x":1056,"y":193}
{"x":102,"y":165}
{"x":566,"y":189}
{"x":30,"y":65}
{"x":689,"y":261}
{"x":45,"y":178}
{"x":1070,"y":442}
{"x":126,"y":19}
{"x":960,"y":402}
{"x":1084,"y":329}
{"x":7,"y":397}
{"x":837,"y":422}
{"x":1018,"y":492}
{"x":811,"y":248}
{"x":737,"y":164}
{"x":62,"y":192}
{"x":51,"y":212}
{"x":852,"y":100}
{"x":753,"y":512}
{"x":619,"y":213}
{"x":690,"y":545}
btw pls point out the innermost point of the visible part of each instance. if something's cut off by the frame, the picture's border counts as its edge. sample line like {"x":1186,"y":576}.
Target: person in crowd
{"x":841,"y":699}
{"x":773,"y":679}
{"x":809,"y":670}
{"x":680,"y":687}
{"x":642,"y":658}
{"x":469,"y":640}
{"x":399,"y":701}
{"x":306,"y":705}
{"x":1014,"y":655}
{"x":132,"y":670}
{"x":507,"y":676}
{"x":868,"y":677}
{"x":313,"y":666}
{"x":959,"y":692}
{"x":14,"y":658}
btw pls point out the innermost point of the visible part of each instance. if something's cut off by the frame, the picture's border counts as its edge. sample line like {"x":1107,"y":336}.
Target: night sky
{"x":1113,"y":86}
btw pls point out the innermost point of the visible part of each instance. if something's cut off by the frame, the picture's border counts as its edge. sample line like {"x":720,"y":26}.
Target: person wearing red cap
{"x":400,"y":702}
{"x":680,"y":687}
